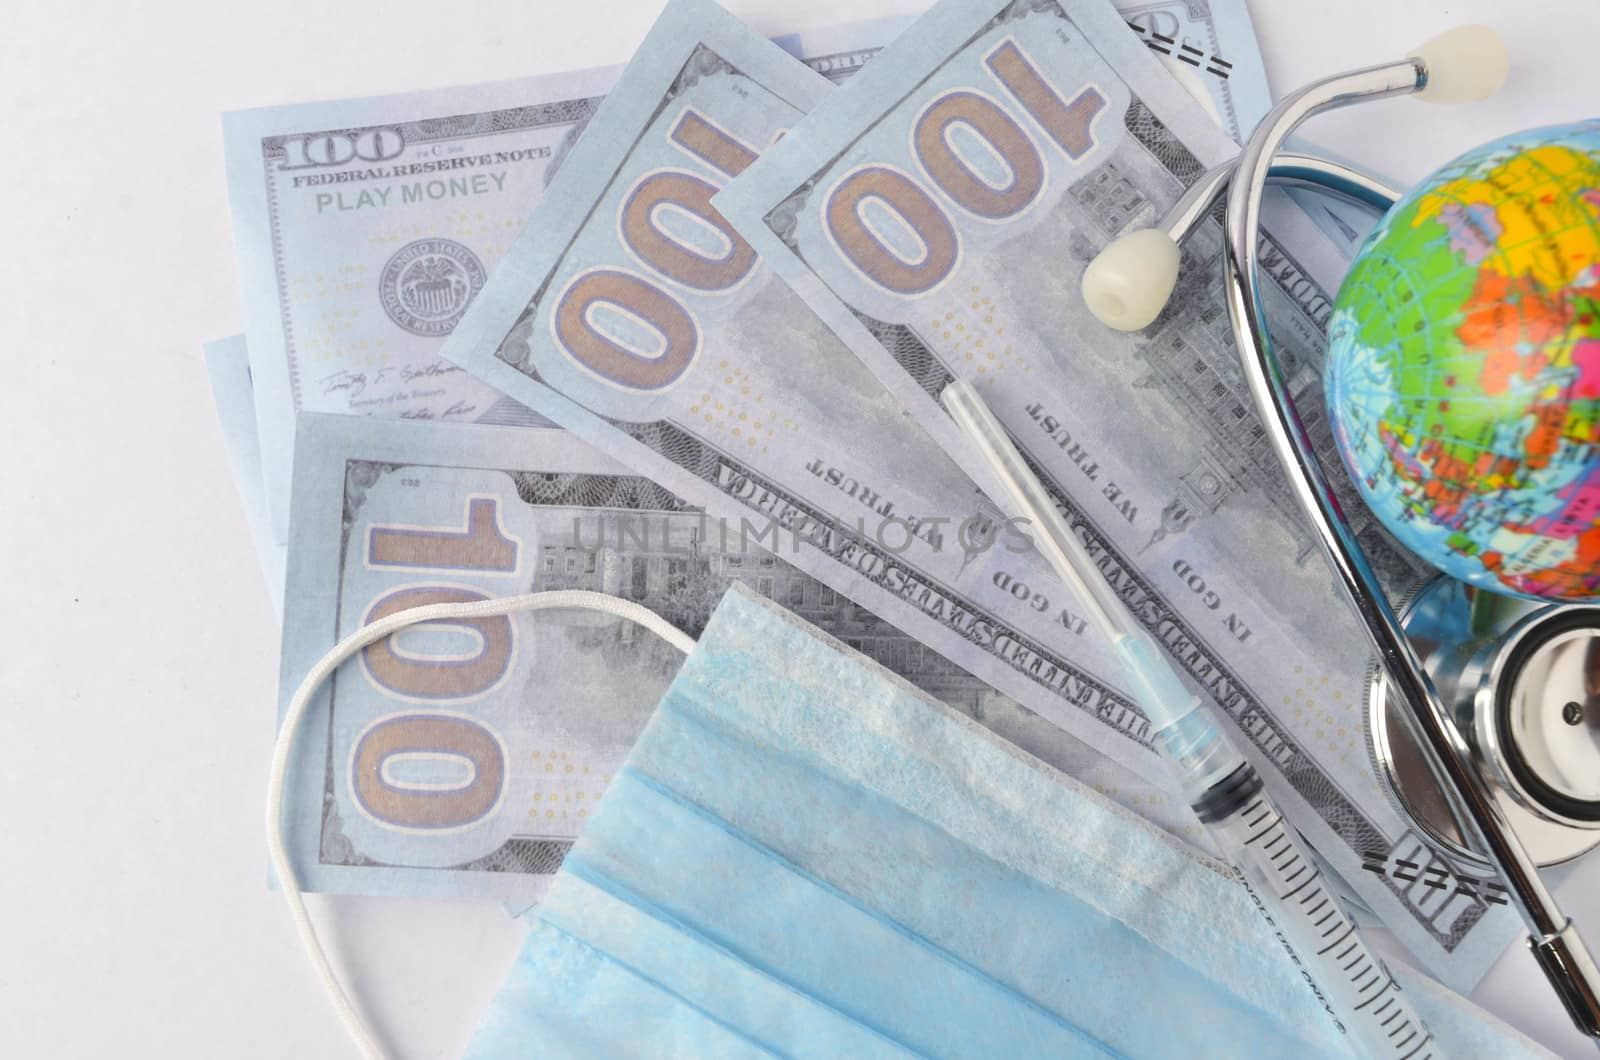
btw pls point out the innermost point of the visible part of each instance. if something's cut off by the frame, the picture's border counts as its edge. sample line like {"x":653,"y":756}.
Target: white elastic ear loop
{"x":279,"y":854}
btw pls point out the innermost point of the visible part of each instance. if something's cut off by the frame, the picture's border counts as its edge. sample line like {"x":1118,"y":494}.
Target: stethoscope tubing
{"x":1552,"y":936}
{"x":1289,"y":169}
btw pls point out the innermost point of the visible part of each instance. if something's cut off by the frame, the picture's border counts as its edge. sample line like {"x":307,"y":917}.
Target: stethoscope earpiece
{"x":1463,"y":65}
{"x":1128,"y":283}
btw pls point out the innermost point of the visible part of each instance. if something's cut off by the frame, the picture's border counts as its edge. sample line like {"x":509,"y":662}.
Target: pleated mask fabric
{"x":806,"y":857}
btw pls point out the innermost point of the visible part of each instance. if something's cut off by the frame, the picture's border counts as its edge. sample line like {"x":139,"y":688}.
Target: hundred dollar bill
{"x":629,"y":312}
{"x":938,"y":213}
{"x":1210,"y":47}
{"x":227,"y":363}
{"x":462,"y":759}
{"x":363,"y":228}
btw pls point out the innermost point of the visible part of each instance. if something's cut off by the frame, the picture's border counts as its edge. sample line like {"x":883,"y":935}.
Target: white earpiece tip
{"x":1463,"y":65}
{"x":1128,"y":283}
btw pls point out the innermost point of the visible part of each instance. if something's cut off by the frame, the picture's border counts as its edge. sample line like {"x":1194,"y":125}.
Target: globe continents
{"x":1463,"y":373}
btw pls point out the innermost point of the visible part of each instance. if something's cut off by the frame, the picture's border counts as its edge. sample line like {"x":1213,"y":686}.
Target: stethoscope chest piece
{"x":1522,"y":687}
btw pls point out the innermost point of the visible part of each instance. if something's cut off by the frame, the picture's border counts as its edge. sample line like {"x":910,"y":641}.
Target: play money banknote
{"x":364,"y":227}
{"x":630,"y":313}
{"x":949,"y":200}
{"x":462,"y":759}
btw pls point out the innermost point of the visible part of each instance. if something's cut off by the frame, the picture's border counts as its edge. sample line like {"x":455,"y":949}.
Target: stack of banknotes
{"x":657,"y":329}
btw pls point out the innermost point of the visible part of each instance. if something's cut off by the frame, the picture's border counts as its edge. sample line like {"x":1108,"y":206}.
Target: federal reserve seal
{"x":426,"y":286}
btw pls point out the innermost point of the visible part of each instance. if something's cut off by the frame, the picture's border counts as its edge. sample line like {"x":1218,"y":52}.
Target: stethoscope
{"x":1451,"y":700}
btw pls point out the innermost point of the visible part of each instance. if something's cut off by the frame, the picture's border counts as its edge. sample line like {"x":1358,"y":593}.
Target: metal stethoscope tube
{"x":1552,"y":936}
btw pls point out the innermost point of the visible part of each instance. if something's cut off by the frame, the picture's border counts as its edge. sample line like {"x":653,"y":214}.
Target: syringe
{"x":1223,"y":788}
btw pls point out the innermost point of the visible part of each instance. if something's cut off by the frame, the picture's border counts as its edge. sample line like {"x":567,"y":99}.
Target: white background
{"x":139,"y":673}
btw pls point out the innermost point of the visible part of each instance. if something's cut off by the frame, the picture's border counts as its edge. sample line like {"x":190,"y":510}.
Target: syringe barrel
{"x":1051,"y":534}
{"x":1286,"y":884}
{"x":1223,"y":788}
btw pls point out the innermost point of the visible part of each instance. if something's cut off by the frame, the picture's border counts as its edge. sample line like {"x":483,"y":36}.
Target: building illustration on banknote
{"x":1191,"y":359}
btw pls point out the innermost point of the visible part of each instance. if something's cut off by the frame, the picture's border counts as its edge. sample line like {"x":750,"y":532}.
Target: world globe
{"x":1463,"y":371}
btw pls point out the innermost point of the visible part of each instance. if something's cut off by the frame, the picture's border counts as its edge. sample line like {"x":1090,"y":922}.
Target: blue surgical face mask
{"x":804,"y":856}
